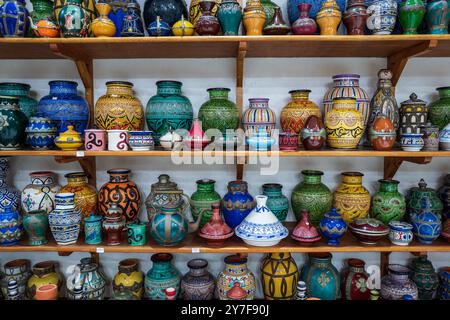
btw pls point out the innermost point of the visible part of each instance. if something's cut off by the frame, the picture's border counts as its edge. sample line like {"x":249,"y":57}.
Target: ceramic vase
{"x":207,"y":24}
{"x":87,"y":5}
{"x":304,"y":25}
{"x":113,"y":224}
{"x":93,"y":229}
{"x":198,"y":283}
{"x":230,"y":17}
{"x":202,"y":199}
{"x":437,"y":16}
{"x":333,"y":227}
{"x":129,"y":278}
{"x":195,"y":12}
{"x":276,"y":201}
{"x":425,"y":278}
{"x":354,"y":281}
{"x":396,"y":283}
{"x":254,"y":18}
{"x":9,"y":196}
{"x":279,"y":276}
{"x":382,"y":134}
{"x":321,"y":277}
{"x":87,"y":279}
{"x":313,"y":134}
{"x":12,"y":125}
{"x":41,"y":133}
{"x":44,"y":273}
{"x":413,"y":115}
{"x":169,"y":11}
{"x":11,"y":227}
{"x":430,"y":137}
{"x":103,"y":26}
{"x":118,"y":13}
{"x":64,"y":106}
{"x":258,"y":118}
{"x":415,"y":196}
{"x":444,"y":284}
{"x":388,"y":204}
{"x":36,"y":225}
{"x":73,"y":20}
{"x":42,"y":15}
{"x":65,"y":219}
{"x":277,"y":25}
{"x":316,"y":5}
{"x":161,"y":276}
{"x":355,"y":17}
{"x":382,"y":16}
{"x":132,"y":25}
{"x":40,"y":194}
{"x":426,"y":225}
{"x":237,"y":203}
{"x":17,"y":271}
{"x":444,"y":196}
{"x":235,"y":271}
{"x":411,"y":14}
{"x":439,"y":110}
{"x":27,"y":104}
{"x":329,"y":17}
{"x":14,"y":19}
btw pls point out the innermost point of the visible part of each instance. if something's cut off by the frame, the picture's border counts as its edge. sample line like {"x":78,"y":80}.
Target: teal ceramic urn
{"x":230,"y":17}
{"x":168,"y":109}
{"x":161,"y":276}
{"x":73,"y":20}
{"x":36,"y":225}
{"x":276,"y":201}
{"x":438,"y":16}
{"x":27,"y":104}
{"x":12,"y":124}
{"x":411,"y":14}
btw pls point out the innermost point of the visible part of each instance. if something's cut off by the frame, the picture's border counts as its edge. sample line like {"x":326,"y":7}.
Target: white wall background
{"x":271,"y":78}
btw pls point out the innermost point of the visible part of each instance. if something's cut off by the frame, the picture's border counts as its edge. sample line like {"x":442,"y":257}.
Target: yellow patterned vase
{"x":344,"y":124}
{"x":351,"y":199}
{"x":129,"y":278}
{"x":254,"y":18}
{"x":279,"y":276}
{"x":329,"y":17}
{"x":118,"y":108}
{"x":103,"y":26}
{"x":44,"y":273}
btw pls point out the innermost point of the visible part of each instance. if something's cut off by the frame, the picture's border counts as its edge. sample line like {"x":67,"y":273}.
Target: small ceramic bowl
{"x":412,"y":141}
{"x":260,"y":142}
{"x":140,"y":140}
{"x":400,"y":233}
{"x":68,"y":145}
{"x":368,"y":231}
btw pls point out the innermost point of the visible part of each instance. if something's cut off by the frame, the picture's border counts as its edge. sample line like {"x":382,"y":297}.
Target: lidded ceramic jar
{"x":354,"y":281}
{"x":44,"y":273}
{"x":259,"y":118}
{"x":129,"y":278}
{"x":161,"y":276}
{"x":12,"y":125}
{"x":159,"y":28}
{"x":444,"y":195}
{"x":388,"y":204}
{"x":439,"y":110}
{"x":216,"y":231}
{"x":397,"y":284}
{"x":313,"y":134}
{"x":426,"y":224}
{"x":202,"y":199}
{"x":425,"y":278}
{"x":235,"y":271}
{"x":183,"y":28}
{"x":41,"y":133}
{"x":413,"y":115}
{"x":254,"y":18}
{"x":333,"y":227}
{"x":87,"y":278}
{"x":416,"y":194}
{"x":329,"y":17}
{"x":237,"y":203}
{"x":22,"y":91}
{"x":198,"y":283}
{"x":36,"y":225}
{"x":355,"y":17}
{"x":19,"y":272}
{"x":305,"y":232}
{"x":368,"y":231}
{"x":65,"y":220}
{"x":276,"y":201}
{"x":382,"y":134}
{"x":40,"y":194}
{"x":69,"y":140}
{"x":279,"y":276}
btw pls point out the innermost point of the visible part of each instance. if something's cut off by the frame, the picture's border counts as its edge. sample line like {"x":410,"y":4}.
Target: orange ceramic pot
{"x":329,"y":17}
{"x":254,"y":18}
{"x":103,"y":26}
{"x":382,"y":134}
{"x":45,"y":29}
{"x":47,"y":292}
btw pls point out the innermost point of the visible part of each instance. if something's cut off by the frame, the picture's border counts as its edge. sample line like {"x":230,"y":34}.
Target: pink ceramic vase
{"x":304,"y":231}
{"x":304,"y":25}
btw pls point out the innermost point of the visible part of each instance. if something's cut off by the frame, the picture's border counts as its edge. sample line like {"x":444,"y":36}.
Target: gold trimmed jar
{"x":254,"y":18}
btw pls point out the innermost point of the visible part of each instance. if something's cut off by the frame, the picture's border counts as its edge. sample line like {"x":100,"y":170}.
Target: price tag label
{"x":80,"y":154}
{"x":195,"y":250}
{"x":100,"y":250}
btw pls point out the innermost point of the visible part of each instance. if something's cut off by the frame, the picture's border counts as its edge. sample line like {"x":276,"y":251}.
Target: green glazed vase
{"x":27,"y":104}
{"x":276,"y":201}
{"x":411,"y":14}
{"x":311,"y":194}
{"x":439,"y":110}
{"x":219,"y":112}
{"x":269,"y":9}
{"x":388,"y":204}
{"x":161,"y":276}
{"x":12,"y":124}
{"x":425,"y":277}
{"x":202,"y":199}
{"x":230,"y":17}
{"x":36,"y":226}
{"x":415,"y":196}
{"x":168,"y":109}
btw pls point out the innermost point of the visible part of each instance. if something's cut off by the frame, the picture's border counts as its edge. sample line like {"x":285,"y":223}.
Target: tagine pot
{"x":215,"y":231}
{"x":305,"y":232}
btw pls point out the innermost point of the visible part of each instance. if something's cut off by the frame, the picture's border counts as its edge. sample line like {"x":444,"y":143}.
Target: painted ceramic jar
{"x":415,"y":196}
{"x":129,"y":278}
{"x":202,"y":199}
{"x":411,"y":142}
{"x":118,"y":13}
{"x":305,"y":232}
{"x":41,"y":133}
{"x":444,"y":196}
{"x":73,"y":20}
{"x":396,"y":284}
{"x":22,"y":91}
{"x":237,"y":203}
{"x":17,"y":271}
{"x":355,"y":17}
{"x":437,"y":16}
{"x":161,"y":276}
{"x":333,"y":227}
{"x":444,"y":284}
{"x":400,"y":233}
{"x":195,"y":12}
{"x":159,"y":28}
{"x":277,"y":25}
{"x":347,"y":86}
{"x":439,"y":110}
{"x":312,"y":195}
{"x":198,"y":283}
{"x":259,"y":118}
{"x":230,"y":17}
{"x":368,"y":231}
{"x":344,"y":124}
{"x":313,"y":134}
{"x":87,"y":5}
{"x":168,"y":10}
{"x":141,"y":140}
{"x":117,"y":140}
{"x":207,"y":24}
{"x":276,"y":201}
{"x":123,"y":191}
{"x":351,"y":198}
{"x":329,"y":17}
{"x":388,"y":204}
{"x":95,"y":140}
{"x":36,"y":225}
{"x":304,"y":25}
{"x":40,"y":194}
{"x":85,"y":194}
{"x":65,"y":219}
{"x":235,"y":271}
{"x":183,"y":28}
{"x":321,"y":277}
{"x":113,"y":224}
{"x":430,"y":137}
{"x":12,"y":124}
{"x":426,"y":225}
{"x":279,"y":276}
{"x":295,"y":114}
{"x":44,"y":273}
{"x":168,"y":109}
{"x":254,"y":18}
{"x":64,"y":106}
{"x":69,"y":140}
{"x":316,"y":5}
{"x":382,"y":16}
{"x":93,"y":229}
{"x":103,"y":26}
{"x":11,"y":227}
{"x":137,"y":233}
{"x":14,"y":19}
{"x":288,"y":141}
{"x":42,"y":20}
{"x":413,"y":115}
{"x":382,"y":135}
{"x":87,"y":278}
{"x":354,"y":281}
{"x":132,"y":25}
{"x":9,"y":196}
{"x":425,"y":278}
{"x":411,"y":14}
{"x":216,"y":231}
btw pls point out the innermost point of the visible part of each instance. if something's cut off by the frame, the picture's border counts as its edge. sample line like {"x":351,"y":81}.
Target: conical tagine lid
{"x":216,"y":228}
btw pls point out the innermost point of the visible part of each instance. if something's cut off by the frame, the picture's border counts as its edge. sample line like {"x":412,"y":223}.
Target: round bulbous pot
{"x":198,"y":283}
{"x":279,"y":276}
{"x":425,"y":278}
{"x":437,"y":16}
{"x":73,"y":20}
{"x":18,"y":271}
{"x":36,"y":225}
{"x":103,"y":26}
{"x":354,"y":281}
{"x":169,"y":10}
{"x":86,"y":281}
{"x":235,"y":271}
{"x":27,"y":104}
{"x":44,"y":273}
{"x":237,"y":203}
{"x":397,"y":284}
{"x":355,"y":17}
{"x":161,"y":276}
{"x":207,"y":24}
{"x":129,"y":278}
{"x":40,"y":194}
{"x":388,"y":204}
{"x":276,"y":201}
{"x":415,"y":196}
{"x":195,"y":12}
{"x":439,"y":110}
{"x":202,"y":199}
{"x":13,"y":124}
{"x":14,"y":21}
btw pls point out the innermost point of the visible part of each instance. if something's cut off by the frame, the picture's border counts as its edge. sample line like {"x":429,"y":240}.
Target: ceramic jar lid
{"x":413,"y":101}
{"x":164,"y":184}
{"x":171,"y":136}
{"x":70,"y":135}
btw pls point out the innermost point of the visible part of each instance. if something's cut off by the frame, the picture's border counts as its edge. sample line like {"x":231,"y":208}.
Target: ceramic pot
{"x":230,"y":17}
{"x":207,"y":24}
{"x":118,"y":140}
{"x":69,"y":140}
{"x":313,"y":134}
{"x":235,"y":271}
{"x":430,"y":137}
{"x":161,"y":276}
{"x":382,"y":135}
{"x":36,"y":226}
{"x":382,"y":16}
{"x":316,"y":5}
{"x":9,"y":196}
{"x":168,"y":109}
{"x":95,"y":140}
{"x":254,"y":18}
{"x":141,"y":140}
{"x":270,"y":8}
{"x":14,"y":19}
{"x":40,"y":194}
{"x":103,"y":26}
{"x":183,"y":28}
{"x":304,"y":231}
{"x":329,"y":17}
{"x":415,"y":196}
{"x":344,"y":124}
{"x":439,"y":110}
{"x":444,"y":284}
{"x":413,"y":115}
{"x":129,"y":278}
{"x":198,"y":283}
{"x":237,"y":203}
{"x":351,"y":198}
{"x":87,"y":278}
{"x":426,"y":225}
{"x":411,"y":14}
{"x":196,"y":139}
{"x":437,"y":16}
{"x":73,"y":20}
{"x":169,"y":11}
{"x":123,"y":191}
{"x":132,"y":25}
{"x":41,"y":133}
{"x":276,"y":201}
{"x":12,"y":125}
{"x":444,"y":196}
{"x":400,"y":233}
{"x":288,"y":141}
{"x":216,"y":231}
{"x":444,"y":138}
{"x":42,"y":20}
{"x":159,"y":28}
{"x":333,"y":227}
{"x":425,"y":278}
{"x":119,"y":108}
{"x":354,"y":281}
{"x":17,"y":271}
{"x":304,"y":25}
{"x":44,"y":273}
{"x":396,"y":284}
{"x":295,"y":114}
{"x":27,"y":104}
{"x":64,"y":106}
{"x":202,"y":199}
{"x":65,"y":220}
{"x":113,"y":224}
{"x":195,"y":12}
{"x":118,"y":13}
{"x":368,"y":231}
{"x":388,"y":204}
{"x":355,"y":17}
{"x":87,"y":5}
{"x":137,"y":234}
{"x":321,"y":277}
{"x":11,"y":227}
{"x":93,"y":229}
{"x":47,"y":292}
{"x":312,"y":195}
{"x":258,"y":118}
{"x":276,"y":26}
{"x":412,"y":141}
{"x":279,"y":276}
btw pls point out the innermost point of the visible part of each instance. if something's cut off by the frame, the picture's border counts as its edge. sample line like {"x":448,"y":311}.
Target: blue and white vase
{"x":141,"y":140}
{"x":14,"y":21}
{"x":65,"y":220}
{"x":9,"y":196}
{"x":159,"y":28}
{"x":41,"y":133}
{"x":333,"y":227}
{"x":382,"y":16}
{"x":237,"y":203}
{"x":87,"y":276}
{"x":426,"y":225}
{"x":11,"y":227}
{"x":64,"y":106}
{"x":412,"y":141}
{"x":261,"y":227}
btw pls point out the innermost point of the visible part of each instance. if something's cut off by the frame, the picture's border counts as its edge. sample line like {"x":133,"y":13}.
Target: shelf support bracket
{"x":240,"y":60}
{"x":391,"y":165}
{"x":397,"y":61}
{"x":384,"y":262}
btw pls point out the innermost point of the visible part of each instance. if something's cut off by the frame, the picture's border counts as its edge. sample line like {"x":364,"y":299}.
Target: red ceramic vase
{"x":216,"y":231}
{"x":207,"y":24}
{"x":355,"y":17}
{"x":304,"y":231}
{"x":382,"y":134}
{"x":313,"y":134}
{"x":354,"y":281}
{"x":304,"y":25}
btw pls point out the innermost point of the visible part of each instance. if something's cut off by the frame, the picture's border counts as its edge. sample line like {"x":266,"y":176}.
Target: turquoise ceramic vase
{"x":161,"y":276}
{"x":36,"y":225}
{"x":230,"y":17}
{"x":93,"y":229}
{"x":168,"y":227}
{"x":276,"y":201}
{"x":12,"y":124}
{"x":27,"y":104}
{"x":438,"y":16}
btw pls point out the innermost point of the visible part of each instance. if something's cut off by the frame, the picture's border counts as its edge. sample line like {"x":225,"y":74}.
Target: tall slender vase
{"x":304,"y":24}
{"x":230,"y":17}
{"x":103,"y":26}
{"x":254,"y":18}
{"x":329,"y":17}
